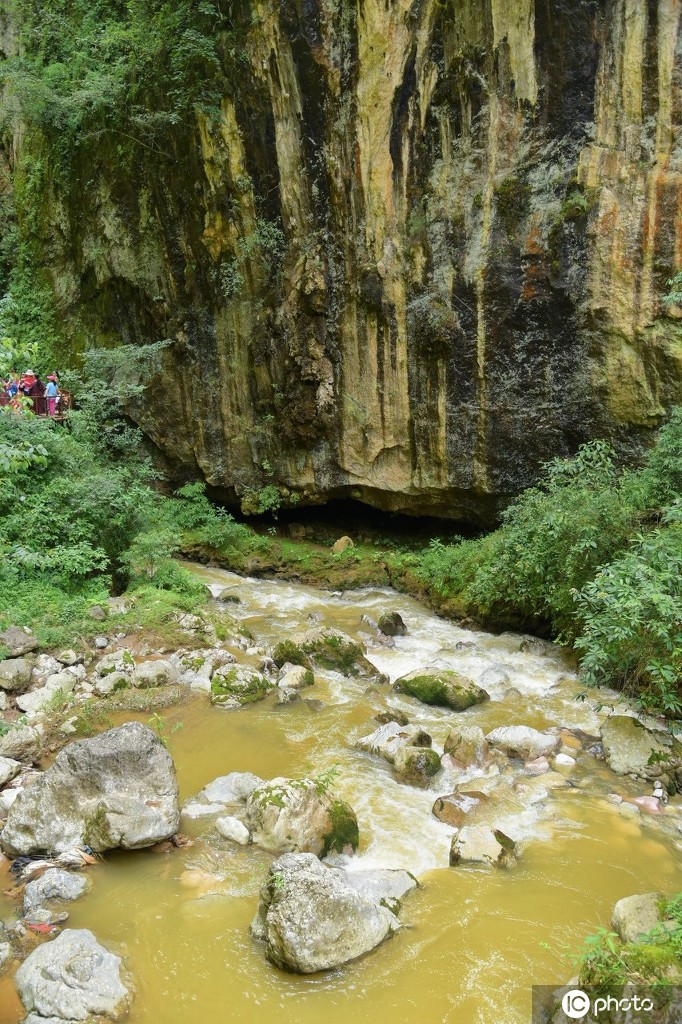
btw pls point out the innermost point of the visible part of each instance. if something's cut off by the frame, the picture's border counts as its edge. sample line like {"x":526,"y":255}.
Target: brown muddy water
{"x":476,"y":939}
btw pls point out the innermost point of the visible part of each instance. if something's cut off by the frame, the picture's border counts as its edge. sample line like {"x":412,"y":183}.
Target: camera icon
{"x":575,"y":1004}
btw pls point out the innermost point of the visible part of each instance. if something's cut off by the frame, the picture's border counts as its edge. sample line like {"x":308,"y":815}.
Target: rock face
{"x":404,"y":324}
{"x":73,"y":978}
{"x":631,"y":748}
{"x":441,"y":687}
{"x":286,"y":815}
{"x":311,"y":919}
{"x":114,"y":790}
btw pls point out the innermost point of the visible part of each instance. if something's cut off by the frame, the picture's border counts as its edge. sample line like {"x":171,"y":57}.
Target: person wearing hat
{"x":51,"y":394}
{"x":31,"y":387}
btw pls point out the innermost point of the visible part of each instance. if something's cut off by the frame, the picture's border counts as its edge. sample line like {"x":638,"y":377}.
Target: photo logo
{"x":575,"y":1004}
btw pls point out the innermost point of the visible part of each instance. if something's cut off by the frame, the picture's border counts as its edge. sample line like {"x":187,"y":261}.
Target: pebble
{"x":537,"y":767}
{"x":101,"y":642}
{"x":564,"y":759}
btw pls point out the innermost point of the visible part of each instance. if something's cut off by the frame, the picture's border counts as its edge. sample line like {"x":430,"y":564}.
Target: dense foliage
{"x":130,"y":70}
{"x":79,"y":512}
{"x":595,"y":553}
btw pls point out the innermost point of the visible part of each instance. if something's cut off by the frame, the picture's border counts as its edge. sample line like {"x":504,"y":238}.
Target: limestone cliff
{"x":420,"y":251}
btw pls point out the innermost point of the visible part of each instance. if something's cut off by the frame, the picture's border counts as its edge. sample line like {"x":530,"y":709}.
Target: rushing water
{"x":477,"y":939}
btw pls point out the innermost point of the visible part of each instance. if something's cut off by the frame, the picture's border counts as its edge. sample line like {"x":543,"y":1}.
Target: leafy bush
{"x":632,"y":619}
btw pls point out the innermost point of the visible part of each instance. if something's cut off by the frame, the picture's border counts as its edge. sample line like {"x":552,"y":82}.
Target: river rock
{"x":391,"y":623}
{"x":634,"y":916}
{"x":232,"y":828}
{"x":54,"y":884}
{"x":629,"y":747}
{"x":35,"y":700}
{"x":388,"y":739}
{"x":21,"y":743}
{"x":236,"y":686}
{"x":104,"y":685}
{"x":73,"y":978}
{"x":70,"y":657}
{"x":6,"y":954}
{"x":18,"y":641}
{"x":327,"y":648}
{"x":467,"y":745}
{"x":454,"y":808}
{"x":294,"y":677}
{"x":286,"y":695}
{"x":311,"y":919}
{"x":234,"y":788}
{"x":116,"y":661}
{"x":416,"y":765}
{"x":286,"y":815}
{"x":441,"y":687}
{"x":117,"y":789}
{"x":478,"y":844}
{"x":9,"y":769}
{"x":15,"y":674}
{"x":154,"y":673}
{"x":523,"y":742}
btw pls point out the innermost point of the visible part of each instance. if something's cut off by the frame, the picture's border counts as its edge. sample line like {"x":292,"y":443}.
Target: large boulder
{"x":73,"y":978}
{"x":15,"y":674}
{"x":54,"y":884}
{"x":18,"y":641}
{"x":523,"y":742}
{"x":235,"y":686}
{"x":632,"y":749}
{"x":325,"y":647}
{"x":478,"y":844}
{"x":391,"y":737}
{"x":115,"y":790}
{"x":467,"y":746}
{"x":299,"y":816}
{"x":311,"y":919}
{"x":441,"y":687}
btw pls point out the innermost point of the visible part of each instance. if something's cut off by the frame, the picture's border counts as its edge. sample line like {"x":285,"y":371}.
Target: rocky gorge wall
{"x":421,"y":250}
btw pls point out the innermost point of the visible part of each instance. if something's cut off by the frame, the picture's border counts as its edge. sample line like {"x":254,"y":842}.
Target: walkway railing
{"x":41,"y":405}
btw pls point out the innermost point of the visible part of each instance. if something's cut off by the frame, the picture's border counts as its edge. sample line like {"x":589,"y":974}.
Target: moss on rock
{"x":344,"y":833}
{"x":441,"y":688}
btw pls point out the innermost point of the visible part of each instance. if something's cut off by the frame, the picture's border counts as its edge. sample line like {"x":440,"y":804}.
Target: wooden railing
{"x":40,"y":405}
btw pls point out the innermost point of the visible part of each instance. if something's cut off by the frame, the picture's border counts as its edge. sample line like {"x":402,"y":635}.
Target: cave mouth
{"x":362,"y":523}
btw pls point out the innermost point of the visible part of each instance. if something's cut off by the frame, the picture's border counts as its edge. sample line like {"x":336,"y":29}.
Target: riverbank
{"x":180,"y":915}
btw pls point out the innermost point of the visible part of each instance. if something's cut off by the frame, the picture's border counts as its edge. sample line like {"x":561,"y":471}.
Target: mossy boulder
{"x":391,"y":623}
{"x":417,"y":765}
{"x":326,"y":648}
{"x":632,"y":749}
{"x":300,"y":816}
{"x":235,"y":686}
{"x":441,"y":688}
